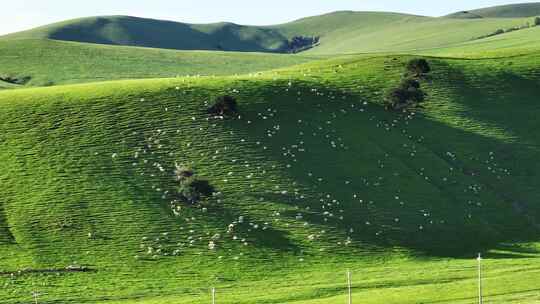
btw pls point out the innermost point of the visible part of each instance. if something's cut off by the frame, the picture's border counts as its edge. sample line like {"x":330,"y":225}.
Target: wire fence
{"x":347,"y":288}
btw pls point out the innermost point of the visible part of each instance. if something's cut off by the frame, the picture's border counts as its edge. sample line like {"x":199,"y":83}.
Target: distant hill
{"x":133,"y":31}
{"x":502,"y":11}
{"x":333,"y":33}
{"x":367,"y":32}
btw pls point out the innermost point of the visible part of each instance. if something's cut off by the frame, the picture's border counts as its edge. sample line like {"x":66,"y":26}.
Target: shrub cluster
{"x":191,"y":189}
{"x":20,"y":80}
{"x":512,"y":29}
{"x":301,"y":43}
{"x":409,"y":93}
{"x":418,"y":67}
{"x":224,"y":106}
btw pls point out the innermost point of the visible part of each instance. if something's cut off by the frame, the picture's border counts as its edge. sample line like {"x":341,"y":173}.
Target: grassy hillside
{"x":314,"y":178}
{"x":126,"y":30}
{"x":339,"y":32}
{"x":502,"y":11}
{"x":50,"y":62}
{"x":380,"y":32}
{"x":521,"y":42}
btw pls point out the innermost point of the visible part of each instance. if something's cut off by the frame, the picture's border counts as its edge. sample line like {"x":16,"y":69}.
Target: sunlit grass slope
{"x":521,"y":42}
{"x":314,"y":178}
{"x":51,"y":62}
{"x":364,"y":32}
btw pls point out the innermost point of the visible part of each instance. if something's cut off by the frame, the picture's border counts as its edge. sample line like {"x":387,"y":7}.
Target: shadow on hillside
{"x":164,"y":34}
{"x":393,"y":180}
{"x":5,"y":233}
{"x":499,"y":96}
{"x":215,"y":219}
{"x":269,"y":238}
{"x":507,"y":101}
{"x":466,"y":222}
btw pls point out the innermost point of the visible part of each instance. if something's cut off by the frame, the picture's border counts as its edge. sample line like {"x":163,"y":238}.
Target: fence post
{"x":213,"y":295}
{"x":349,"y":285}
{"x":480,"y":296}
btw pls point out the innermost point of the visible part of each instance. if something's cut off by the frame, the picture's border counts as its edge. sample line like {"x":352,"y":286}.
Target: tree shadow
{"x":502,"y":97}
{"x":6,"y":237}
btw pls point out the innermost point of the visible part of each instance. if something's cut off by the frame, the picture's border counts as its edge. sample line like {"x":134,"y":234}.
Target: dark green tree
{"x":418,"y":67}
{"x":193,"y":189}
{"x":396,"y":98}
{"x":407,"y":94}
{"x":416,"y":95}
{"x":409,"y":83}
{"x":224,"y":106}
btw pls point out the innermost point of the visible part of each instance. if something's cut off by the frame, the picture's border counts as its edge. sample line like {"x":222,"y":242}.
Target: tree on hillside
{"x":224,"y":106}
{"x":414,"y":93}
{"x":182,"y":172}
{"x":300,"y":43}
{"x":407,"y":94}
{"x":396,"y":98}
{"x":418,"y":67}
{"x":190,"y":188}
{"x":537,"y":21}
{"x":409,"y":83}
{"x":416,"y":96}
{"x":193,"y":189}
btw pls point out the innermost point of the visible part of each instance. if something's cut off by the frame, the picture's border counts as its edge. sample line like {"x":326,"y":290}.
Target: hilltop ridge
{"x":501,"y":11}
{"x":333,"y":33}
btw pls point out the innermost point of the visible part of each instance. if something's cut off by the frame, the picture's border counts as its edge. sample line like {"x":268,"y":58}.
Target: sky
{"x":17,"y":15}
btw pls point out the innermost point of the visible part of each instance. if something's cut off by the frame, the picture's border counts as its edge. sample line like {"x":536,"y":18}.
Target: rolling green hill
{"x":313,"y":178}
{"x":501,"y":11}
{"x":50,"y":62}
{"x":391,"y":33}
{"x":133,"y":31}
{"x":520,"y":42}
{"x":339,"y":32}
